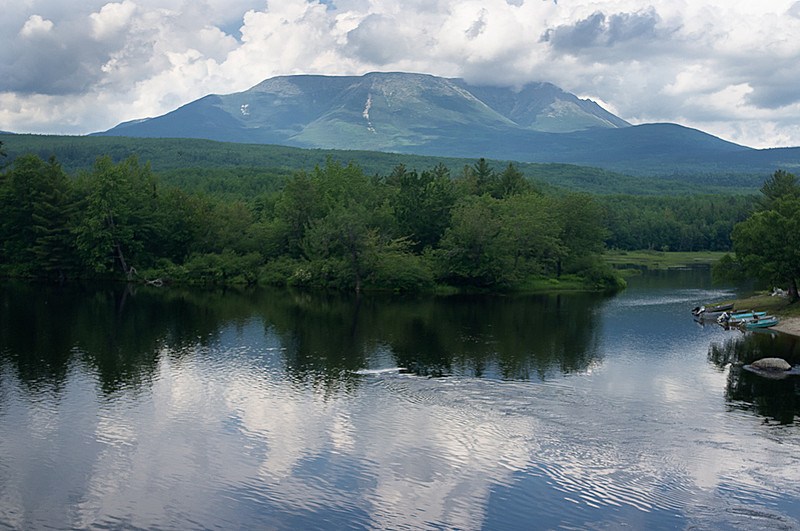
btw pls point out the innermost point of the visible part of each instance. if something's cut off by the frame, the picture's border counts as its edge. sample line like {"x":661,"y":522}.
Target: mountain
{"x":378,"y":111}
{"x":427,"y":115}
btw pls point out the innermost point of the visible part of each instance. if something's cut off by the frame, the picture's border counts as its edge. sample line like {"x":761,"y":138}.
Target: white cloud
{"x":36,"y":25}
{"x":111,"y":19}
{"x":727,"y":65}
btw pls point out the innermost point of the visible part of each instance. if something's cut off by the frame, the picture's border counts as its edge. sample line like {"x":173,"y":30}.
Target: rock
{"x":771,"y":364}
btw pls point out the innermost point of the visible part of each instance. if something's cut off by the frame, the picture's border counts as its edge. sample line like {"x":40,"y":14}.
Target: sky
{"x":727,"y":67}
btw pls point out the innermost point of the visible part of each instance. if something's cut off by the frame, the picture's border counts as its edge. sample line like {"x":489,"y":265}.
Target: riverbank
{"x":789,"y":313}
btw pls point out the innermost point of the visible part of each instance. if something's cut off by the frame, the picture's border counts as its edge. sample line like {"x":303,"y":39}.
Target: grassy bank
{"x":765,"y":302}
{"x":660,"y":259}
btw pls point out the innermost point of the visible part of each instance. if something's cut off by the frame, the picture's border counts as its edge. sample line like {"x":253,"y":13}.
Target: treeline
{"x":333,"y":227}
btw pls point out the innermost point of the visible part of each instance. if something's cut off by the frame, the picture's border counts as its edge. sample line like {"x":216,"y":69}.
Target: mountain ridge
{"x":375,"y":111}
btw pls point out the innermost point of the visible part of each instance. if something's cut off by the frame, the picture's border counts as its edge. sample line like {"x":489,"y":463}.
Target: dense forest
{"x":335,"y":226}
{"x":669,"y":223}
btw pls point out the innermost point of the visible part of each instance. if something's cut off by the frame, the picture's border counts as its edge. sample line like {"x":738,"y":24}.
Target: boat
{"x":709,"y":310}
{"x":760,"y":322}
{"x":708,"y":316}
{"x":734,"y":317}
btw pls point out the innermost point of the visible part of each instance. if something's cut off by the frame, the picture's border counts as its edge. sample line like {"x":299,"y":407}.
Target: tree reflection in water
{"x":477,"y":336}
{"x":777,"y":398}
{"x":117,"y":331}
{"x":121,"y":332}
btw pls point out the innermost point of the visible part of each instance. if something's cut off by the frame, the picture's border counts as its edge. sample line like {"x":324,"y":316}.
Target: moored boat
{"x":708,"y":316}
{"x":705,"y":311}
{"x":760,"y":322}
{"x":734,"y":317}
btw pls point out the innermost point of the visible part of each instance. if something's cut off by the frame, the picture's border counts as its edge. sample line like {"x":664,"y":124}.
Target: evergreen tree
{"x":35,"y":211}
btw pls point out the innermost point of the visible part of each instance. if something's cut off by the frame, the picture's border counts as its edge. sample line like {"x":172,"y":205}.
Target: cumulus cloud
{"x":35,"y":25}
{"x":726,"y":66}
{"x":111,"y":20}
{"x":478,"y":26}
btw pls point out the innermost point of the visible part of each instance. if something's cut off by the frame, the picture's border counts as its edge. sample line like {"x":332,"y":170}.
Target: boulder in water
{"x":771,"y":364}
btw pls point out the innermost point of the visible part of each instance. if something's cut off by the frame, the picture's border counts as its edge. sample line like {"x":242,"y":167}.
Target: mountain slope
{"x":545,"y":107}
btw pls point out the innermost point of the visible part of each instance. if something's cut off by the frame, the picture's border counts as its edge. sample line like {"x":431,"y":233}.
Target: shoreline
{"x":788,"y":325}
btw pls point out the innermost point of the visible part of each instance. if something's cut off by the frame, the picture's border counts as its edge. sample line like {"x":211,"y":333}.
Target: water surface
{"x":211,"y":409}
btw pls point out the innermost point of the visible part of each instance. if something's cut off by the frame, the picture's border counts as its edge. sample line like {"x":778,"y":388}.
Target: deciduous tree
{"x":120,"y":216}
{"x":767,"y":244}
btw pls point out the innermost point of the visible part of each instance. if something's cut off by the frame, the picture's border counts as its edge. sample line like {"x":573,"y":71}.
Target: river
{"x":145,"y":408}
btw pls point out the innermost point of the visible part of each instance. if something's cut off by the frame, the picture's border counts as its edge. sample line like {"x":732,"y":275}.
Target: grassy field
{"x":660,"y":259}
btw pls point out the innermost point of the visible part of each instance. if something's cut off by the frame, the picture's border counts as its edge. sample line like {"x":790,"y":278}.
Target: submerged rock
{"x":771,"y":364}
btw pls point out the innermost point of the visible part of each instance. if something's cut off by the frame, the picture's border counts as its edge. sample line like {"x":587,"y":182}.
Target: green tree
{"x":779,"y":185}
{"x":53,"y":213}
{"x":470,"y":252}
{"x":36,"y":205}
{"x":422,"y":205}
{"x":296,"y":206}
{"x":485,"y":176}
{"x":306,"y":198}
{"x":477,"y":179}
{"x":187,"y":218}
{"x":348,"y":216}
{"x":120,"y":218}
{"x":531,"y":230}
{"x":583,"y":231}
{"x":767,"y":244}
{"x":343,"y":240}
{"x":510,"y":182}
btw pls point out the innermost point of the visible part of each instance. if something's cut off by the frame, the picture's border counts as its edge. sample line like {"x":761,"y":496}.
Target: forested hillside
{"x":263,"y":161}
{"x":668,"y":223}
